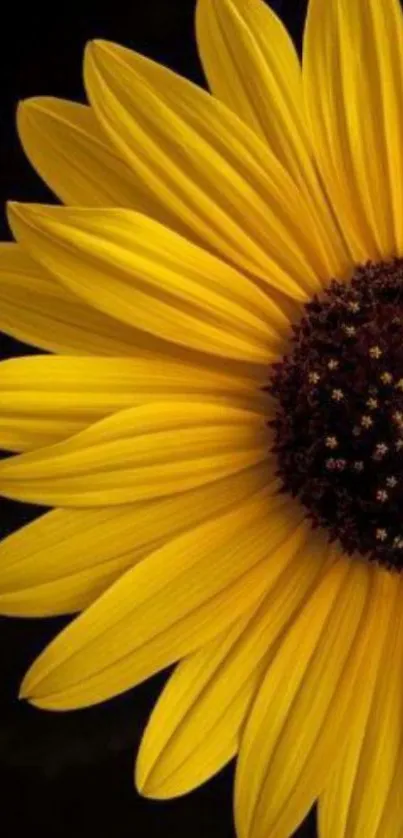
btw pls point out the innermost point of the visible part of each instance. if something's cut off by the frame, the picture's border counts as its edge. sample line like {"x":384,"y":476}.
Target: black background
{"x":64,"y":775}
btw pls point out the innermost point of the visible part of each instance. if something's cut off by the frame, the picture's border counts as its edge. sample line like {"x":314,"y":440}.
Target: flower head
{"x":218,"y":423}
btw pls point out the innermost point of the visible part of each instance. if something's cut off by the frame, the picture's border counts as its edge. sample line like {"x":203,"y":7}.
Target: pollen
{"x":353,"y":306}
{"x":375,"y":352}
{"x":337,"y":395}
{"x":381,"y":449}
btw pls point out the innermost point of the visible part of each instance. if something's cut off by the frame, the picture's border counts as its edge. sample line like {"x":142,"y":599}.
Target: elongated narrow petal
{"x":300,"y":719}
{"x":139,"y":454}
{"x":37,"y":309}
{"x":251,"y":65}
{"x":62,"y":561}
{"x":211,"y":170}
{"x":150,"y":277}
{"x":195,"y":727}
{"x":392,"y":815}
{"x":43,"y":400}
{"x":353,"y":78}
{"x":181,"y":597}
{"x":71,"y":152}
{"x":357,"y":796}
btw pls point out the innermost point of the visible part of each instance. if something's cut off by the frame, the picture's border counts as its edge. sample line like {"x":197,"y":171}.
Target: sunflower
{"x":221,"y":422}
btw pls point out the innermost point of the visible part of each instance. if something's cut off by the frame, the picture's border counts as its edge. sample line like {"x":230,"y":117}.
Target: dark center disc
{"x":338,"y":425}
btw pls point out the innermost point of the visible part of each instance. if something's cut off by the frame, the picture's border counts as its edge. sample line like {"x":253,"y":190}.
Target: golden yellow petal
{"x":138,"y":454}
{"x":144,"y":274}
{"x":62,"y":561}
{"x":181,"y":597}
{"x":357,"y":796}
{"x":67,"y":145}
{"x":195,"y":727}
{"x":37,"y":309}
{"x":251,"y":65}
{"x":353,"y":80}
{"x":300,"y":718}
{"x":45,"y":399}
{"x":208,"y":167}
{"x":72,"y":154}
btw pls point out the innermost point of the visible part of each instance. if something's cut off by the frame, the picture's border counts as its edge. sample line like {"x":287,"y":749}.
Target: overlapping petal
{"x":209,"y":168}
{"x":251,"y":65}
{"x":360,"y":798}
{"x":149,"y":277}
{"x":353,"y":80}
{"x":166,"y":607}
{"x":138,"y":454}
{"x":45,"y":399}
{"x":62,"y":561}
{"x":196,"y":725}
{"x":313,"y":689}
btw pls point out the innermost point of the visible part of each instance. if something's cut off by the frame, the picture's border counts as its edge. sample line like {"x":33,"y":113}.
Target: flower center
{"x":338,"y":425}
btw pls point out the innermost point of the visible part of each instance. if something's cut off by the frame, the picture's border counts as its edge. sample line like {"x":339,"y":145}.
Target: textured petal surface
{"x":139,"y":454}
{"x":43,"y":400}
{"x":150,"y":277}
{"x":209,"y":168}
{"x":72,"y":153}
{"x":67,"y":146}
{"x":181,"y":597}
{"x":195,"y":727}
{"x":62,"y":561}
{"x":358,"y":795}
{"x":301,"y":715}
{"x":353,"y":77}
{"x":251,"y":65}
{"x":35,"y":308}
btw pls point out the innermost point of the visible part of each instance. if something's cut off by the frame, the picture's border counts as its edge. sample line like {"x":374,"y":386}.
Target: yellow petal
{"x":137,"y":454}
{"x":62,"y":561}
{"x":357,"y":795}
{"x":353,"y":77}
{"x":147,"y":276}
{"x":181,"y":597}
{"x":392,"y":816}
{"x":67,"y":146}
{"x":43,"y":400}
{"x":300,"y":718}
{"x":195,"y":727}
{"x":208,"y":167}
{"x":37,"y":309}
{"x":251,"y":65}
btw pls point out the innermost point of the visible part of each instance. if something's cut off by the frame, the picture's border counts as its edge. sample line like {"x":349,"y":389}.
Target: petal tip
{"x":143,"y":783}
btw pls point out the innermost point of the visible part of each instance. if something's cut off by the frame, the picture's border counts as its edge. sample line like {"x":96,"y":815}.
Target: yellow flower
{"x":223,"y":292}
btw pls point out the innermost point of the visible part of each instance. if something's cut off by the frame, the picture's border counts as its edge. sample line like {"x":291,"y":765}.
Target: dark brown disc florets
{"x":338,"y":427}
